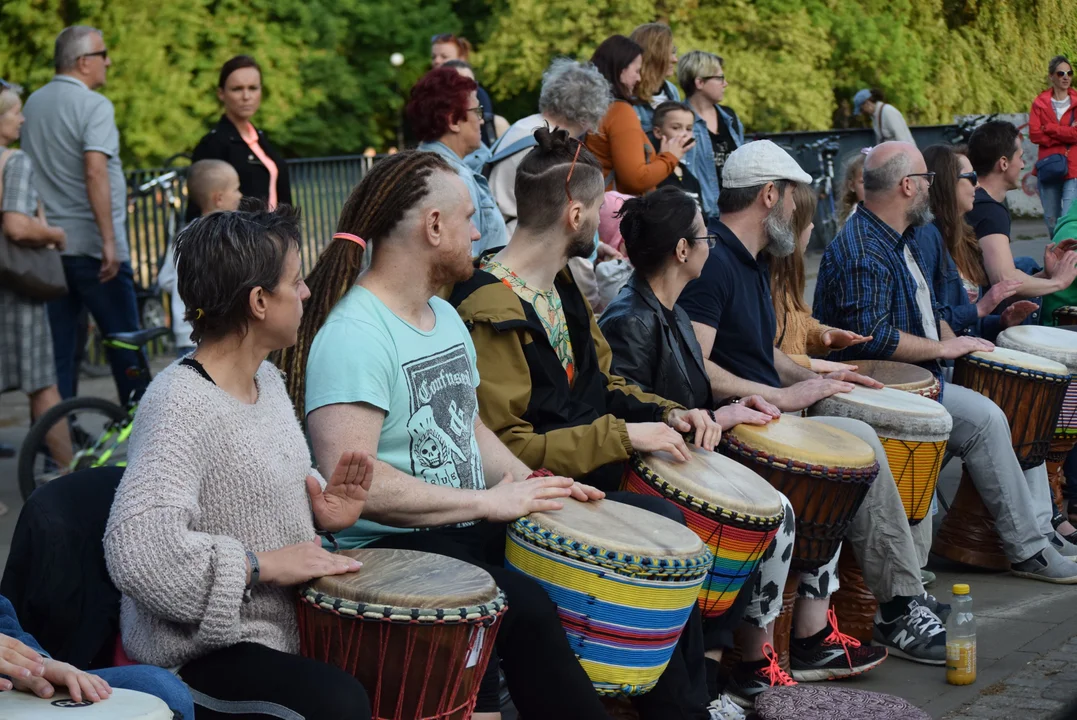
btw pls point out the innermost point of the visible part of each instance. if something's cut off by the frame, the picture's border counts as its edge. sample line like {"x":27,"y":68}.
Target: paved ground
{"x":1027,"y":631}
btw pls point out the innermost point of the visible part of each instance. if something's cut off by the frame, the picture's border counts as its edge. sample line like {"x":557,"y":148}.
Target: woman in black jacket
{"x":263,"y":174}
{"x":651,"y":337}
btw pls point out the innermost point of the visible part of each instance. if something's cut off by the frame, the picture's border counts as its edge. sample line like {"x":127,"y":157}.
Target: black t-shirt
{"x":700,"y":384}
{"x":684,"y":180}
{"x":723,"y":145}
{"x":988,"y":216}
{"x":732,"y":295}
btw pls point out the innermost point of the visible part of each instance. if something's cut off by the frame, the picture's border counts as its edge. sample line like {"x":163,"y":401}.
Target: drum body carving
{"x":825,"y":472}
{"x":416,"y":629}
{"x":624,"y":581}
{"x":734,"y":512}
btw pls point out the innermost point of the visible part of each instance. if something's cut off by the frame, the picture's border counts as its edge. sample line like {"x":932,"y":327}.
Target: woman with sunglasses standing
{"x":1051,"y":126}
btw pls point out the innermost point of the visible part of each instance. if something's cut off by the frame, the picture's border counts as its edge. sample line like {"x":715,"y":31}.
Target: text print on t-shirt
{"x":442,"y":423}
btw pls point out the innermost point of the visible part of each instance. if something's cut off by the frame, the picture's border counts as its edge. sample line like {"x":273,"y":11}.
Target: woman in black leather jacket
{"x":652,"y":340}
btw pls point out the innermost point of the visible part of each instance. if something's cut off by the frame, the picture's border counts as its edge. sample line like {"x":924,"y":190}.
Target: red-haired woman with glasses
{"x":1051,"y":126}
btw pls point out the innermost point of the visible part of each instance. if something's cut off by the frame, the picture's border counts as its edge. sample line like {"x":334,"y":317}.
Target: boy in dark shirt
{"x":672,"y":119}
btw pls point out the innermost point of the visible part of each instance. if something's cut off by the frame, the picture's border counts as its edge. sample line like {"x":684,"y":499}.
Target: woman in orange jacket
{"x":1051,"y":126}
{"x":628,"y":158}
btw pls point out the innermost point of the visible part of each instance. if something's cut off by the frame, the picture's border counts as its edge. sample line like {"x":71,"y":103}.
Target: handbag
{"x":36,"y":273}
{"x":1054,"y":168}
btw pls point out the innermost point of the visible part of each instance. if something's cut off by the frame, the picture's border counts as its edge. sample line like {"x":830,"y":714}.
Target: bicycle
{"x":99,"y":429}
{"x":827,"y":221}
{"x":960,"y":133}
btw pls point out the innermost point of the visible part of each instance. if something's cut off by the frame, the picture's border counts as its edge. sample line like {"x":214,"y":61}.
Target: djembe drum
{"x":901,"y":376}
{"x":624,"y":581}
{"x":122,"y":705}
{"x":1029,"y":390}
{"x":416,"y":629}
{"x":1060,"y":346}
{"x":734,"y":512}
{"x":913,"y":432}
{"x":830,"y":702}
{"x":1066,"y":315}
{"x":824,"y":472}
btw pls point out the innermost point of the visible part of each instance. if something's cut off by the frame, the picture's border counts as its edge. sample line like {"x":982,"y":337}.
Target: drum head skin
{"x":410,"y":579}
{"x":720,"y":481}
{"x":892,"y":413}
{"x":829,"y":702}
{"x":122,"y":705}
{"x":898,"y":375}
{"x":620,"y":528}
{"x":1019,"y":359}
{"x":807,"y":441}
{"x":1046,"y":342}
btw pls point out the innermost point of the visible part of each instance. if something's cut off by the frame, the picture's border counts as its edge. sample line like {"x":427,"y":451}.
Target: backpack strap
{"x":499,"y":153}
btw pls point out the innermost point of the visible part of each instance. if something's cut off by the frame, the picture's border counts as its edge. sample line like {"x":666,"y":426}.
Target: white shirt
{"x":1060,"y":106}
{"x":923,"y":296}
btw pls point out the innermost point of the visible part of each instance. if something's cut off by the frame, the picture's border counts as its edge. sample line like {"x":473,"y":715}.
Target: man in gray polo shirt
{"x":71,"y":136}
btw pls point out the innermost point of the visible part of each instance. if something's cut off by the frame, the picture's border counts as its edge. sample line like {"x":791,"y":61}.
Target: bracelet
{"x":255,"y":571}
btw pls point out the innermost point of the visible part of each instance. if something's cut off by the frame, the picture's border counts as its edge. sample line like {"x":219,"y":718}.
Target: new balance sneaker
{"x":834,"y":656}
{"x":1047,"y":565}
{"x":725,"y":709}
{"x":748,"y":679}
{"x":941,"y":610}
{"x":917,"y":635}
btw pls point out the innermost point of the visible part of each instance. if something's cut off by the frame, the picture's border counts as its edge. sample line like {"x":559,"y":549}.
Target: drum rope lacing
{"x":485,"y":614}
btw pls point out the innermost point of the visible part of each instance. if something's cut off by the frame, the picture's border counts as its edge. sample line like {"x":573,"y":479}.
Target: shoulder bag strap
{"x":4,"y":156}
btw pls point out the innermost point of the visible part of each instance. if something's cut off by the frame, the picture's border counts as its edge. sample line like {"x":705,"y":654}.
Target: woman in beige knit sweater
{"x":217,"y":513}
{"x":798,"y":334}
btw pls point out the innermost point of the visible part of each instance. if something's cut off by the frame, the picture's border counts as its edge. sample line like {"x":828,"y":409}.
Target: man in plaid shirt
{"x":871,"y":281}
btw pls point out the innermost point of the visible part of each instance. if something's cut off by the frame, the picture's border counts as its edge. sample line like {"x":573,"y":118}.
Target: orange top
{"x":250,"y":136}
{"x":624,"y":149}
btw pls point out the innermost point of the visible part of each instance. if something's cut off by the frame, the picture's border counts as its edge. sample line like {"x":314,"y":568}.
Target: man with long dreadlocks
{"x":384,"y":366}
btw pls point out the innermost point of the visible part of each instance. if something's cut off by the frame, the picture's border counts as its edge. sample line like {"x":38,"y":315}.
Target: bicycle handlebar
{"x":829,"y":143}
{"x":157,"y":181}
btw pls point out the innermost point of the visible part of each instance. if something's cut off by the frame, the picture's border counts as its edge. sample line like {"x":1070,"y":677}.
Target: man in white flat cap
{"x":733,"y":317}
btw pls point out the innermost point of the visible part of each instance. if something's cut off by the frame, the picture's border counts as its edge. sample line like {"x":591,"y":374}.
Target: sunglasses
{"x":708,"y":78}
{"x":970,"y":176}
{"x":1063,"y":73}
{"x":929,"y":176}
{"x":103,"y":54}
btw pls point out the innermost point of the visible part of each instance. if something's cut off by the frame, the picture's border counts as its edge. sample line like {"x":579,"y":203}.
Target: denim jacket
{"x":700,"y":159}
{"x":488,"y":219}
{"x":645,"y":111}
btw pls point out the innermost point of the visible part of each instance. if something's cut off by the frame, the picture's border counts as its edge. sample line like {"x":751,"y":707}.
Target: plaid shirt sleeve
{"x":854,"y":293}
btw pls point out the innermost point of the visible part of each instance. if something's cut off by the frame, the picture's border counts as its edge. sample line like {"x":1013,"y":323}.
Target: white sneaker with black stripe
{"x":917,"y":635}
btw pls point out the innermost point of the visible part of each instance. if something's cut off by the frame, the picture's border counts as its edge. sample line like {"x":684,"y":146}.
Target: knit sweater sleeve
{"x":634,"y":172}
{"x":815,"y":345}
{"x":154,"y":551}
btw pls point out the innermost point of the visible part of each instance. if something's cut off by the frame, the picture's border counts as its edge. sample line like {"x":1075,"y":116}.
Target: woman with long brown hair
{"x":852,"y":185}
{"x":798,"y":334}
{"x":659,"y":64}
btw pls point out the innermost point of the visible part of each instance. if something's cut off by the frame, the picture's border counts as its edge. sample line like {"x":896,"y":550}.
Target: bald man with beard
{"x":733,"y":317}
{"x":872,"y":281}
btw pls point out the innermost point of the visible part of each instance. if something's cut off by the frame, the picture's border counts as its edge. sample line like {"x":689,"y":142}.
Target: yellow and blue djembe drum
{"x":624,"y":581}
{"x":734,"y":511}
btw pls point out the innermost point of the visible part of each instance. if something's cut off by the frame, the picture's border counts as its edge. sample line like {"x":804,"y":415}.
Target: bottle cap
{"x":961,"y":589}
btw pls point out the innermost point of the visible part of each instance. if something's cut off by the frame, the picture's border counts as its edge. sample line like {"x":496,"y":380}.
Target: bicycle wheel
{"x":94,"y":359}
{"x":98,"y":429}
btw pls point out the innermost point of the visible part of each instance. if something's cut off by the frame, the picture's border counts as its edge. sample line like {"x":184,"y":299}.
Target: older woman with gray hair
{"x":575,"y":97}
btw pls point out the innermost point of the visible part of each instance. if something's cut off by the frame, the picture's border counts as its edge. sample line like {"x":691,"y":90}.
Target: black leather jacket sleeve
{"x":634,"y":342}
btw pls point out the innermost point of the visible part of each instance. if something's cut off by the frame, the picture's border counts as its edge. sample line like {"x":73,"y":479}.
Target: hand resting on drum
{"x":31,"y":672}
{"x":752,"y":410}
{"x":808,"y":392}
{"x":299,"y":563}
{"x":823,"y":367}
{"x":512,"y":499}
{"x":962,"y":346}
{"x":339,"y":505}
{"x":658,"y":437}
{"x":852,"y":377}
{"x":707,"y":431}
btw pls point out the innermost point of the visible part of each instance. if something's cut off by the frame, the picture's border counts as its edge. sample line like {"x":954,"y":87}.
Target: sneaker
{"x":1064,"y":547}
{"x":836,"y":656}
{"x":941,"y":610}
{"x":917,"y":635}
{"x":748,"y":680}
{"x":927,"y":578}
{"x":725,"y":709}
{"x":1047,"y":565}
{"x":1057,"y":521}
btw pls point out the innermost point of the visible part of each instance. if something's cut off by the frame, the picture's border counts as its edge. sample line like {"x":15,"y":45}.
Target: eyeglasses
{"x":711,"y":239}
{"x":970,"y":176}
{"x":103,"y":54}
{"x":477,"y":110}
{"x":708,"y":78}
{"x":1063,"y":73}
{"x":572,"y":168}
{"x":929,"y":176}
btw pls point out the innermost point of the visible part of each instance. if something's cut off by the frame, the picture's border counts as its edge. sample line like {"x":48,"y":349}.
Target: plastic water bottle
{"x":961,"y":639}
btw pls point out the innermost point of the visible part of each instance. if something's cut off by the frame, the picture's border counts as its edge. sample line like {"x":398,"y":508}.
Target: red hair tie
{"x":354,"y":238}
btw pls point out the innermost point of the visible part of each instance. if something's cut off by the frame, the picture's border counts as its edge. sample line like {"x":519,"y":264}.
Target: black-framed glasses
{"x":970,"y":176}
{"x":571,"y":169}
{"x":477,"y":110}
{"x":708,"y":78}
{"x":929,"y":176}
{"x":103,"y":54}
{"x":1063,"y":73}
{"x":711,"y":239}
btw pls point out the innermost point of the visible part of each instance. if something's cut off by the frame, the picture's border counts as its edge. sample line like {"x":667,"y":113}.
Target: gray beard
{"x":780,"y":239}
{"x":920,"y":215}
